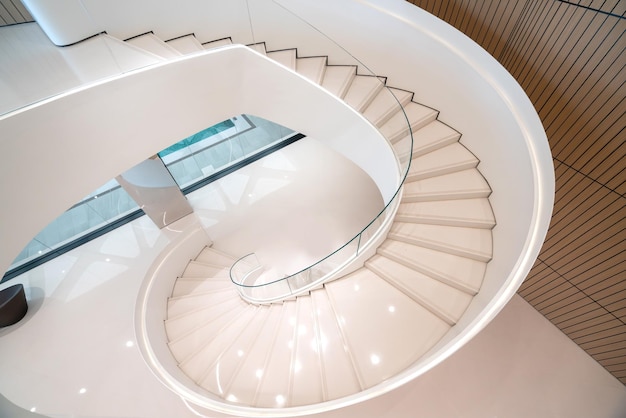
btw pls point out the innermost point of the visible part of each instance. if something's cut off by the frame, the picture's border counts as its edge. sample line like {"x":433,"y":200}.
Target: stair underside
{"x":364,"y":328}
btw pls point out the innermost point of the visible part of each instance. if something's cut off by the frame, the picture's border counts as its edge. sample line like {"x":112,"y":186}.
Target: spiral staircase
{"x":357,"y":331}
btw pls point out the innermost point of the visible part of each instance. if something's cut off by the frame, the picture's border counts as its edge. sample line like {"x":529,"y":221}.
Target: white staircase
{"x":359,"y":330}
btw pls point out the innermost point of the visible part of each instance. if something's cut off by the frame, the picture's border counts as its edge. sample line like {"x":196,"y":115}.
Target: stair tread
{"x":418,"y":116}
{"x":218,"y":377}
{"x":445,"y":301}
{"x":337,"y":79}
{"x":466,"y":184}
{"x":217,"y":43}
{"x":185,"y":304}
{"x":312,"y":68}
{"x":273,"y":391}
{"x":199,"y":269}
{"x":460,"y":272}
{"x":373,"y":333}
{"x":429,"y":138}
{"x":188,"y":343}
{"x":214,"y":256}
{"x":306,"y":379}
{"x":286,"y":57}
{"x":245,"y":383}
{"x":155,"y":45}
{"x":362,"y":91}
{"x":448,"y":159}
{"x":258,"y":47}
{"x":189,"y":287}
{"x":473,"y":243}
{"x":387,"y":102}
{"x":178,"y":327}
{"x":338,"y":370}
{"x":187,"y":44}
{"x":129,"y":56}
{"x":472,"y":213}
{"x":213,"y":343}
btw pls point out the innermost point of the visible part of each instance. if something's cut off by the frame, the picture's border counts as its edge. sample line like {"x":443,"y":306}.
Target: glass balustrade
{"x":259,"y":282}
{"x":101,"y":208}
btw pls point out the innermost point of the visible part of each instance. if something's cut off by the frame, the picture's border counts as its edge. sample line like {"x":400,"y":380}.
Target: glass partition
{"x":221,"y":146}
{"x":238,"y":140}
{"x":102,"y":207}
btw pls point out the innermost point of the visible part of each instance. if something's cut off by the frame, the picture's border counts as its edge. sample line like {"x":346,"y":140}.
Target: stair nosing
{"x":423,"y":302}
{"x":450,"y":281}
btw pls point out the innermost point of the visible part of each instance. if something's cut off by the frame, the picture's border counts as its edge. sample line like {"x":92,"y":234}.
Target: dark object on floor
{"x":13,"y":305}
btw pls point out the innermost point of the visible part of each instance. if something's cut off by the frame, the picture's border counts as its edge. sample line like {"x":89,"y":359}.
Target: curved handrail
{"x":285,"y":286}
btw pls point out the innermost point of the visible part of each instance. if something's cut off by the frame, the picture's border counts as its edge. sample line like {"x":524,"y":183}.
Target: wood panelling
{"x":569,"y":56}
{"x":12,"y":12}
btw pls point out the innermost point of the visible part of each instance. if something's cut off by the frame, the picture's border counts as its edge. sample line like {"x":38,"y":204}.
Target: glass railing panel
{"x":105,"y":205}
{"x":383,"y":108}
{"x":369,"y":232}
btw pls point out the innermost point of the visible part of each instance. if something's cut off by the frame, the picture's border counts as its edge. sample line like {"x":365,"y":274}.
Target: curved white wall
{"x":63,"y":148}
{"x":417,"y":52}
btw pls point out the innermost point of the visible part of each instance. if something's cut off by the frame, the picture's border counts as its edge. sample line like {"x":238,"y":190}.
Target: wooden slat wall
{"x":569,"y":56}
{"x":12,"y":12}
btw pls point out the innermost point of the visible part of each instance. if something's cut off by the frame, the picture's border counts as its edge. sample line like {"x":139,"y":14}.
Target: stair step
{"x":258,"y":47}
{"x":218,"y":377}
{"x":472,"y":243}
{"x":273,"y":391}
{"x":200,"y":334}
{"x":451,"y":158}
{"x":217,"y":43}
{"x":155,"y":45}
{"x":187,"y":44}
{"x":312,"y":68}
{"x":184,"y":304}
{"x":188,"y":287}
{"x":200,"y":269}
{"x":286,"y":57}
{"x":337,"y":79}
{"x":214,"y":256}
{"x":202,"y":358}
{"x":245,"y":383}
{"x":442,"y":300}
{"x":471,"y":213}
{"x":419,"y":116}
{"x":337,"y":367}
{"x":461,"y":273}
{"x":427,"y":139}
{"x":128,"y":56}
{"x":373,"y":334}
{"x":466,"y":184}
{"x":306,"y":379}
{"x":181,"y":325}
{"x":387,"y":102}
{"x":362,"y":91}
